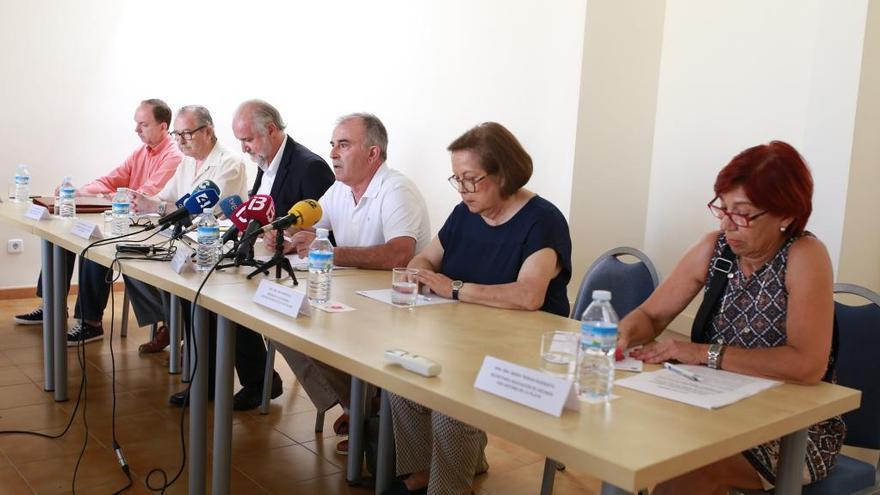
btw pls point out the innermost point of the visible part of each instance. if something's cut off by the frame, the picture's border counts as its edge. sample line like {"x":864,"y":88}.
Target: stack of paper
{"x":716,"y":388}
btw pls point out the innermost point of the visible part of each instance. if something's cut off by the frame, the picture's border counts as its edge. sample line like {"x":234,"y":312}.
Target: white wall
{"x":73,"y":73}
{"x":736,"y":74}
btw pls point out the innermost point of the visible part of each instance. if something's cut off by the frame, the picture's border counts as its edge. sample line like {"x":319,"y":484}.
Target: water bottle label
{"x":68,"y":192}
{"x":121,"y":208}
{"x":320,"y":260}
{"x":208,"y":234}
{"x":602,"y":335}
{"x":22,"y":180}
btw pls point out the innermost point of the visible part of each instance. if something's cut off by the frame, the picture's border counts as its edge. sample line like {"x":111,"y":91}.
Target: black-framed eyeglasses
{"x":465,"y":185}
{"x":185,"y":135}
{"x":137,"y":221}
{"x":738,"y":219}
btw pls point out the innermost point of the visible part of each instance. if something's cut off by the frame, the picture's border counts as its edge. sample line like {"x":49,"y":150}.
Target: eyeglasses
{"x":738,"y":219}
{"x":465,"y":185}
{"x":136,"y":221}
{"x":185,"y":135}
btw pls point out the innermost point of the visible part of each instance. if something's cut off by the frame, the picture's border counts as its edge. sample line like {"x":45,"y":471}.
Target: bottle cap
{"x":601,"y":295}
{"x":321,"y":233}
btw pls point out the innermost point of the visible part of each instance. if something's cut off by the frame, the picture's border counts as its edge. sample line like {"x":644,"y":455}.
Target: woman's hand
{"x":671,"y":350}
{"x":438,"y":283}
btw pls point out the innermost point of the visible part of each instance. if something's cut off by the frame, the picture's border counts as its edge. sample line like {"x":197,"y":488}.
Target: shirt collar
{"x":153,"y":150}
{"x":376,"y":182}
{"x":276,"y":162}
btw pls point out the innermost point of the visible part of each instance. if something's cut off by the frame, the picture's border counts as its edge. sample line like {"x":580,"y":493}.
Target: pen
{"x":681,"y":371}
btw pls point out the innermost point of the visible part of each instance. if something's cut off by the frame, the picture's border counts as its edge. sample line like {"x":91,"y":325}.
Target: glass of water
{"x":559,"y":352}
{"x":404,"y":287}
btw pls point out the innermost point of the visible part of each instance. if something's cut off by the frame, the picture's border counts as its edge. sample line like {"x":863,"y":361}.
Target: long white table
{"x":631,"y":443}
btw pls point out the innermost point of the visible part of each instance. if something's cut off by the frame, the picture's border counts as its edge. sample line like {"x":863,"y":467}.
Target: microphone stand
{"x":279,"y":261}
{"x":244,"y":252}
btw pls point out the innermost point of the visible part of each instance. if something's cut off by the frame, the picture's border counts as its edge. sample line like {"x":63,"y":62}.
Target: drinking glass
{"x":559,"y":352}
{"x":404,"y":287}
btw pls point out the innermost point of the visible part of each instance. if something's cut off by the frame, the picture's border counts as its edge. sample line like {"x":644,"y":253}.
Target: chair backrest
{"x":857,"y":365}
{"x":630,"y":283}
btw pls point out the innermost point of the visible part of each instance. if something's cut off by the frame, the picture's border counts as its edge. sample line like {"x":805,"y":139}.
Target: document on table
{"x":384,"y":295}
{"x":716,"y":388}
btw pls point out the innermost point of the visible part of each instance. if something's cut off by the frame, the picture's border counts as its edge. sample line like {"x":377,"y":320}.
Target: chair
{"x":630,"y":285}
{"x":858,"y":368}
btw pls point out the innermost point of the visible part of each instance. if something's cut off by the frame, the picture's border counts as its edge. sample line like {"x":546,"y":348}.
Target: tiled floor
{"x":274,"y":454}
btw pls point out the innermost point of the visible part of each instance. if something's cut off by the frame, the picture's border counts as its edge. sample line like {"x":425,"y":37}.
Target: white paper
{"x":628,"y":363}
{"x":283,"y":299}
{"x":384,"y":295}
{"x":526,"y":386}
{"x":86,"y":230}
{"x":37,"y":212}
{"x":182,"y":262}
{"x":716,"y":388}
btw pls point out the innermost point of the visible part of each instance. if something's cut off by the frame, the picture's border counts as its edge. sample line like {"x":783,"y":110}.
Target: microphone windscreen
{"x":261,"y":208}
{"x":239,"y":216}
{"x":229,"y":204}
{"x":207,"y":184}
{"x":206,"y":198}
{"x":308,"y":212}
{"x":182,"y":200}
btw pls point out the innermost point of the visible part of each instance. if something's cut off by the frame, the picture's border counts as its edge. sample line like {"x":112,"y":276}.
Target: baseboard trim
{"x":7,"y":293}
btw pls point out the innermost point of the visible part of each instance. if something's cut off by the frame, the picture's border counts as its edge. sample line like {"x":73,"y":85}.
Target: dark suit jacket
{"x":301,"y":175}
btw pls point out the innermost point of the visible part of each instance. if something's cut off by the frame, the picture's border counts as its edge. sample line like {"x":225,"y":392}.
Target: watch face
{"x":456,"y":284}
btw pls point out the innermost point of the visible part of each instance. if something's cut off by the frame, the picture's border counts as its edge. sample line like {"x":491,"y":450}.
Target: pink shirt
{"x":146,"y":171}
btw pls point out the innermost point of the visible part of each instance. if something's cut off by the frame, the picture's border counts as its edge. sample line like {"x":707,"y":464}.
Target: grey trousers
{"x":150,"y":304}
{"x":425,"y":440}
{"x":325,"y":384}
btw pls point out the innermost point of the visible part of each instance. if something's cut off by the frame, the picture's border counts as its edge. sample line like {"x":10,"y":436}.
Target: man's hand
{"x":141,"y":203}
{"x":301,"y":241}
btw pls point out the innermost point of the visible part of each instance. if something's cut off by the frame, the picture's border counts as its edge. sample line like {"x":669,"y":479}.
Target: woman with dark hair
{"x":767,"y":306}
{"x":502,"y":246}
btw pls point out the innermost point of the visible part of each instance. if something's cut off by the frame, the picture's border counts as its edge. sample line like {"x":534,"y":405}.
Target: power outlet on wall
{"x":14,"y":246}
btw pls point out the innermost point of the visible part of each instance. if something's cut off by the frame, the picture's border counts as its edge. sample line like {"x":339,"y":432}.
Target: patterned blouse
{"x":751,"y":315}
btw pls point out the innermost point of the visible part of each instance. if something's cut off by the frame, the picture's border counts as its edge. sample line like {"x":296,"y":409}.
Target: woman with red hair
{"x":767,"y":308}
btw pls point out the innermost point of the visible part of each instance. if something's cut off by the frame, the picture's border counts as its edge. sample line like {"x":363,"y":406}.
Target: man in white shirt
{"x":379,"y":220}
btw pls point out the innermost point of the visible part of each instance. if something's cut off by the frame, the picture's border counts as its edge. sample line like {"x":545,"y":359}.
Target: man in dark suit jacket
{"x":289,"y":172}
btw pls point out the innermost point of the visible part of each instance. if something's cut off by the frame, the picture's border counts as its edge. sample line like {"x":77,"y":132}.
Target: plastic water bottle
{"x":320,"y":267}
{"x":22,"y":184}
{"x":209,"y":241}
{"x":596,"y":354}
{"x":120,"y":210}
{"x":67,"y":198}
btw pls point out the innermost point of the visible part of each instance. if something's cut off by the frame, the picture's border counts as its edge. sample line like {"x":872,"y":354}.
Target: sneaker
{"x":85,"y":333}
{"x":35,"y":317}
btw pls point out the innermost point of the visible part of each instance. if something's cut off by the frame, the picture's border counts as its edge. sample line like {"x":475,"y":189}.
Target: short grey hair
{"x":376,"y":135}
{"x":262,"y":114}
{"x":203,"y":116}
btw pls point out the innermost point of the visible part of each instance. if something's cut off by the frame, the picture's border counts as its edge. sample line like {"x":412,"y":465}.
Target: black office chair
{"x":630,"y":285}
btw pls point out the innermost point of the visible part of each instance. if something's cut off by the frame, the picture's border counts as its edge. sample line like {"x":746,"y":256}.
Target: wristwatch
{"x":716,"y":351}
{"x":456,"y":286}
{"x":160,"y":209}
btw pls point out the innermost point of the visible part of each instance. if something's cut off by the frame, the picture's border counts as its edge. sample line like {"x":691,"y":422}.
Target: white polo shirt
{"x":391,"y":207}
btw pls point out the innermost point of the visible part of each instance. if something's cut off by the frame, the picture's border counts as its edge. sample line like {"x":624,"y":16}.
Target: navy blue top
{"x":476,"y":252}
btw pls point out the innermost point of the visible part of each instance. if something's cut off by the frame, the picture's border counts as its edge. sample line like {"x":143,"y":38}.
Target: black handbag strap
{"x":723,"y":266}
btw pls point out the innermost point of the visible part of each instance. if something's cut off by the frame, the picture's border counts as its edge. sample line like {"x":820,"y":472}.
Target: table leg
{"x":549,"y":476}
{"x":59,"y":292}
{"x":48,"y":316}
{"x":385,"y":468}
{"x":222,"y":463}
{"x":789,"y":470}
{"x":198,"y":400}
{"x":356,"y":431}
{"x":174,"y":335}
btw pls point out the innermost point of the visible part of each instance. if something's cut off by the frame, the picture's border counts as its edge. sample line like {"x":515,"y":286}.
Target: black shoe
{"x":35,"y":317}
{"x":180,"y":398}
{"x":251,"y":397}
{"x":85,"y":333}
{"x":399,"y":488}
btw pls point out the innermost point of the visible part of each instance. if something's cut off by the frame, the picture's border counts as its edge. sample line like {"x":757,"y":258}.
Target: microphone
{"x":229,"y":204}
{"x":182,"y":199}
{"x":193,"y":205}
{"x":245,"y":248}
{"x":208,"y":184}
{"x":261,"y":208}
{"x":303,"y":214}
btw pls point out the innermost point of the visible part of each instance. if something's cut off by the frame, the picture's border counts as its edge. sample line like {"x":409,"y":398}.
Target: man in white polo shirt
{"x":379,"y":220}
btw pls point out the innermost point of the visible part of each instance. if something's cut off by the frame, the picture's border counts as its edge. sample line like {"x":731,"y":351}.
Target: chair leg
{"x":319,"y":421}
{"x":267,"y":376}
{"x":123,"y":332}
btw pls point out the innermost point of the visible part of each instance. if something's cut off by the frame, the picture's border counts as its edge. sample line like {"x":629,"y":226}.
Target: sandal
{"x":340,"y":426}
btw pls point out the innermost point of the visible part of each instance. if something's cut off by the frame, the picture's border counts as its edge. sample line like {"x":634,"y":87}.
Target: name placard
{"x":37,"y":212}
{"x":282,"y":299}
{"x":527,"y":386}
{"x":85,"y":229}
{"x":182,"y":261}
